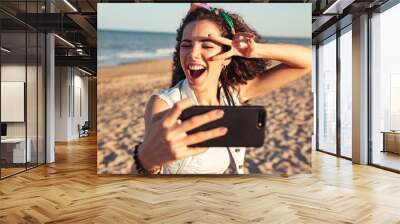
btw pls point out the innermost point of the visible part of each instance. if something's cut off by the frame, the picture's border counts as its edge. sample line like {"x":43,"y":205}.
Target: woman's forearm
{"x":292,"y":55}
{"x":147,"y":160}
{"x":296,"y":62}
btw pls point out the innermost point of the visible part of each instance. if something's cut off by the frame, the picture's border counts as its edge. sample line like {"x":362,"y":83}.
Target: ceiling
{"x":76,"y":21}
{"x":332,"y":15}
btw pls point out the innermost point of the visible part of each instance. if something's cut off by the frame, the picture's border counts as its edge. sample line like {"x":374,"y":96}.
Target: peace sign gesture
{"x":242,"y":45}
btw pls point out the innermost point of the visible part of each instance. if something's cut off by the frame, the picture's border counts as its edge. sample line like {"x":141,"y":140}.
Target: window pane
{"x":327,"y":96}
{"x":345,"y":94}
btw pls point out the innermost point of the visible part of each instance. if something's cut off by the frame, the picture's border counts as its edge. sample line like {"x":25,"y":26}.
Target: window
{"x":327,"y":96}
{"x":346,"y":93}
{"x":385,"y":89}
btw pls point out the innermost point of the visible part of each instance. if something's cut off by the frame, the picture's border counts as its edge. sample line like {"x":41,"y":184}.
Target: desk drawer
{"x":392,"y":142}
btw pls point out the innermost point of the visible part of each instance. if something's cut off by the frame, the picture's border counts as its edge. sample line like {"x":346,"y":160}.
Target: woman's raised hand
{"x":167,"y":140}
{"x":242,"y":45}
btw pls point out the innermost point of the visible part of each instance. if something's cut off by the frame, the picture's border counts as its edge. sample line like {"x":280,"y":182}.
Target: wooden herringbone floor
{"x":69,"y":191}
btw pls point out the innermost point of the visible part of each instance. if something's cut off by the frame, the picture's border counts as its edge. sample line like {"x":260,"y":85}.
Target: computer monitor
{"x":3,"y":129}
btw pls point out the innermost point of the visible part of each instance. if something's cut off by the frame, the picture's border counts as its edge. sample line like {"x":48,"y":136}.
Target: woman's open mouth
{"x":196,"y":71}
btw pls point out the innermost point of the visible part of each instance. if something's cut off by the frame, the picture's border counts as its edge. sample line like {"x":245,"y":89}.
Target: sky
{"x":271,"y":20}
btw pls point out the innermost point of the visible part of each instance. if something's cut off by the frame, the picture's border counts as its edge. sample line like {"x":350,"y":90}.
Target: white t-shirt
{"x":216,"y":159}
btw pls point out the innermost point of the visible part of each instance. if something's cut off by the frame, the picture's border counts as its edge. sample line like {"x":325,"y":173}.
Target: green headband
{"x":224,"y":15}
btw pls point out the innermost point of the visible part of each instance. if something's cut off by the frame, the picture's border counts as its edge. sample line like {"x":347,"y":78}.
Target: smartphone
{"x":246,"y":125}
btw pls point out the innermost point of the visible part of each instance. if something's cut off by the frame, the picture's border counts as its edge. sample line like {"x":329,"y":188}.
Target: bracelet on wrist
{"x":139,"y":167}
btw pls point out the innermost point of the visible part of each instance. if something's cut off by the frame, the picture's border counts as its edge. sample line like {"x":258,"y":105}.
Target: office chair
{"x":84,"y":130}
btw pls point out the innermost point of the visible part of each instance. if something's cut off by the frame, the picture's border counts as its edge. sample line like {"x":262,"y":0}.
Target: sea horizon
{"x":118,"y":47}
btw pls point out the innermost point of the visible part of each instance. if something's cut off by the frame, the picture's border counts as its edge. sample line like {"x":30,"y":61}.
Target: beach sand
{"x":124,"y":90}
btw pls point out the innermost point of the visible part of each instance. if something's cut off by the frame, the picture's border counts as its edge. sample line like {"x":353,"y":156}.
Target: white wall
{"x":13,"y":73}
{"x":70,"y":83}
{"x":61,"y":103}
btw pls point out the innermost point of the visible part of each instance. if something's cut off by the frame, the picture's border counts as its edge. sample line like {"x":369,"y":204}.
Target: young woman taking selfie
{"x":218,"y":60}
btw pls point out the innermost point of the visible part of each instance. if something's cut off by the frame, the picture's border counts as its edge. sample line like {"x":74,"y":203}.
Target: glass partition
{"x":14,"y":152}
{"x":32,"y":87}
{"x":22,"y":88}
{"x":41,"y":87}
{"x":31,"y":100}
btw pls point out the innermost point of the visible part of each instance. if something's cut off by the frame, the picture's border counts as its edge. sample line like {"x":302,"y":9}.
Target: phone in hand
{"x":246,"y":125}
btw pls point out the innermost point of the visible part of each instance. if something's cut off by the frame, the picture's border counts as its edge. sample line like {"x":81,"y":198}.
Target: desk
{"x":391,"y":141}
{"x":15,"y":148}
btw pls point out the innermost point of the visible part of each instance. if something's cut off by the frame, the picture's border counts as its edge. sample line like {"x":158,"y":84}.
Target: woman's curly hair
{"x":239,"y":69}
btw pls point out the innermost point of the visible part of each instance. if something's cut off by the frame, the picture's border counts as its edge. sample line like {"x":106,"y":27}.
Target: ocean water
{"x":122,"y":47}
